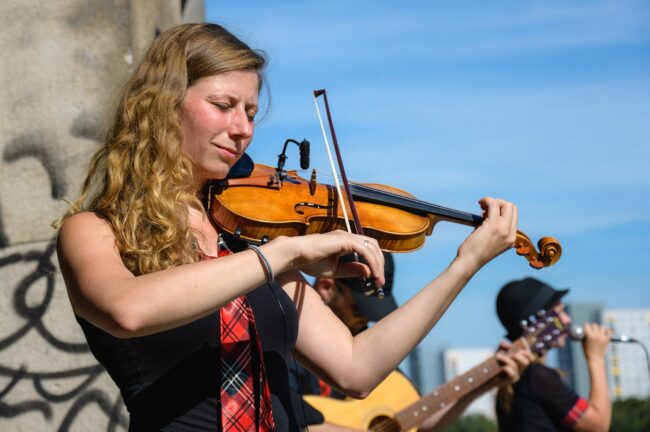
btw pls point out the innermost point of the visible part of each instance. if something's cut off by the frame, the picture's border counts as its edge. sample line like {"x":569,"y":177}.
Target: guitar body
{"x":376,"y":412}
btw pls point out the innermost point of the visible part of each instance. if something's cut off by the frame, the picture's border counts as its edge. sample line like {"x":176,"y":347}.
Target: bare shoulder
{"x":86,"y":238}
{"x":82,"y":222}
{"x":85,"y":228}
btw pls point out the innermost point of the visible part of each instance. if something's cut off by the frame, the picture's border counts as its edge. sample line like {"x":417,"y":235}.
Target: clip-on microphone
{"x":304,"y":157}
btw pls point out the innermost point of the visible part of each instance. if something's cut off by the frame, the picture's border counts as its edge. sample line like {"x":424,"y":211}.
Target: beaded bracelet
{"x":265,"y":261}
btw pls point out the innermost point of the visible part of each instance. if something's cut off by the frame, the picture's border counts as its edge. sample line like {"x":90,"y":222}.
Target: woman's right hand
{"x":596,"y":340}
{"x":318,"y":255}
{"x":495,"y":235}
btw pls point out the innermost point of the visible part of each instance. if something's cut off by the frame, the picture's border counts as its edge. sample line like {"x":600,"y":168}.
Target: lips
{"x":232,"y":153}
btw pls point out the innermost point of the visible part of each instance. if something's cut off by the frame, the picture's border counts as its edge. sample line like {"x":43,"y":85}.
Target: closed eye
{"x":222,"y":106}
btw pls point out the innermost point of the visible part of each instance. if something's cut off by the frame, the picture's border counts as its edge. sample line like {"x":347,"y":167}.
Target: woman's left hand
{"x":495,"y":235}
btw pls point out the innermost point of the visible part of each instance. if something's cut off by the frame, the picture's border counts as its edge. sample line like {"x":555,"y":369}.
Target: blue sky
{"x":545,"y":104}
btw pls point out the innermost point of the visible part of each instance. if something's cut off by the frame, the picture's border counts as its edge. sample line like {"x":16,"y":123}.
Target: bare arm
{"x":357,"y":364}
{"x":599,"y":414}
{"x":103,"y":291}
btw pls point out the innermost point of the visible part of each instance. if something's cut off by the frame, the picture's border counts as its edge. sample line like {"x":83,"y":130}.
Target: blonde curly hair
{"x":140,"y":181}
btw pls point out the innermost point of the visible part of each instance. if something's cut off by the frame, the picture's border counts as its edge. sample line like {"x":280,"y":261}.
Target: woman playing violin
{"x":195,"y":337}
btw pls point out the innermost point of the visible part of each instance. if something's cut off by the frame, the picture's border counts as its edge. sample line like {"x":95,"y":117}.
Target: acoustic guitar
{"x":395,"y":405}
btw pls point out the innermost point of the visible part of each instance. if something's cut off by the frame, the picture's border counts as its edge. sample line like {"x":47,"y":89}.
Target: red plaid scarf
{"x":238,"y":407}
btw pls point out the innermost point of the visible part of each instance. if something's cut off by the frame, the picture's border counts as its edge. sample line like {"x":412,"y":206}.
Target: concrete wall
{"x":62,"y":63}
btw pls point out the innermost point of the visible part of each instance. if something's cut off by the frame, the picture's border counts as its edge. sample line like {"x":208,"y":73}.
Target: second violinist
{"x":197,"y":337}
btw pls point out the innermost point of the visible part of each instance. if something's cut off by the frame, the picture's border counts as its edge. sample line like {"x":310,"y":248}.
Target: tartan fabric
{"x":239,"y":412}
{"x":324,"y":388}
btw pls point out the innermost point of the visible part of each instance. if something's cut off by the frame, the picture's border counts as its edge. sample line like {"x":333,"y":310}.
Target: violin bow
{"x":358,"y":229}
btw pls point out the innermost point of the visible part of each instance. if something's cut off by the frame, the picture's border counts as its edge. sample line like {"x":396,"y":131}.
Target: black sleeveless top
{"x":542,"y":403}
{"x":170,"y":381}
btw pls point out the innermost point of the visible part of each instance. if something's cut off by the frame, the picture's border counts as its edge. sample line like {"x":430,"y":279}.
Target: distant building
{"x":460,"y":360}
{"x":627,"y":364}
{"x":431,"y":371}
{"x":414,"y":370}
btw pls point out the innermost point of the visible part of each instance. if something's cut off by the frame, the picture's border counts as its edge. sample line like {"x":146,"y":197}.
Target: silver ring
{"x":365,"y":242}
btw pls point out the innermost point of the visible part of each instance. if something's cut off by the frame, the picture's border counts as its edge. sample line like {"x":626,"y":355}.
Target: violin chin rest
{"x":242,"y":168}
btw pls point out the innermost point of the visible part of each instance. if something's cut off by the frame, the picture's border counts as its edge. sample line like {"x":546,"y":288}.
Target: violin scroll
{"x":549,"y":253}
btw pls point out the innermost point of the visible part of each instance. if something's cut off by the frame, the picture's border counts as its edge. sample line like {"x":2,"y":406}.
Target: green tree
{"x":631,"y":415}
{"x":472,"y":423}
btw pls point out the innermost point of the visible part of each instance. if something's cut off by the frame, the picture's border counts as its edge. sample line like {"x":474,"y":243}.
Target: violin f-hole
{"x":312,"y":205}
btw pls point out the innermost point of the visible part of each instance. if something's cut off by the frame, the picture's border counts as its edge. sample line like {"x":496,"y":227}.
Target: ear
{"x":326,"y":288}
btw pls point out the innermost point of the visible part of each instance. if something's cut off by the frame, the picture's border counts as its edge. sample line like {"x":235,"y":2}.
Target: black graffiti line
{"x":38,"y":378}
{"x":52,"y":397}
{"x":7,"y":410}
{"x":115,"y":418}
{"x":15,"y":410}
{"x":15,"y":378}
{"x":11,"y":339}
{"x":71,"y":373}
{"x":10,"y":259}
{"x":4,"y":240}
{"x":34,"y":314}
{"x":36,"y":145}
{"x":91,"y":396}
{"x":20,"y":294}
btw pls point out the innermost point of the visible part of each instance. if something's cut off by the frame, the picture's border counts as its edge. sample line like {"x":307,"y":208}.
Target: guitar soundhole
{"x":383,"y":424}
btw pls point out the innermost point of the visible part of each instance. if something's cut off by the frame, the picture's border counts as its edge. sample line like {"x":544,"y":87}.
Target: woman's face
{"x":218,"y":120}
{"x":565,"y":319}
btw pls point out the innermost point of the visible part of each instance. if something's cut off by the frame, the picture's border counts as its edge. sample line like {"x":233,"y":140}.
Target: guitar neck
{"x":415,"y":414}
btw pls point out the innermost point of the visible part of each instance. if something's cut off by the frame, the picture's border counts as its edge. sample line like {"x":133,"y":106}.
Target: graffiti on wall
{"x":40,"y":275}
{"x":83,"y":394}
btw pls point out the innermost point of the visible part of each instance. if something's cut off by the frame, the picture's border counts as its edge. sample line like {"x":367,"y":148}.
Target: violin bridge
{"x":312,"y":182}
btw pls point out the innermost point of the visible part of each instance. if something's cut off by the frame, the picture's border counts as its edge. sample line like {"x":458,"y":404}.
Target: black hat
{"x":372,"y":307}
{"x":520,"y":299}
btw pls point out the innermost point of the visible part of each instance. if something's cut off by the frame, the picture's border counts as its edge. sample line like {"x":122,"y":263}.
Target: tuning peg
{"x":523,"y":323}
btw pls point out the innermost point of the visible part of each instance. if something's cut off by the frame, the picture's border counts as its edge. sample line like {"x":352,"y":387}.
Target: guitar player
{"x":541,"y":401}
{"x":345,"y":298}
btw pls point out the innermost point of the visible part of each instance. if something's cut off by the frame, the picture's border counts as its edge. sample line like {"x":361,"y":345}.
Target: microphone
{"x":304,"y":157}
{"x":578,"y":334}
{"x":304,"y":154}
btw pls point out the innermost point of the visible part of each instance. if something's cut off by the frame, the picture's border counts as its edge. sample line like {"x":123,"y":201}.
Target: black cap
{"x":518,"y":300}
{"x":372,"y":307}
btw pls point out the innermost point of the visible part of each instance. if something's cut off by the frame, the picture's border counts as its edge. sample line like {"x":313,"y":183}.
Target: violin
{"x":265,"y":203}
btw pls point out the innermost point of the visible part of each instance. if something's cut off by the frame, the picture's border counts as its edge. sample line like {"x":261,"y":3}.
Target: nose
{"x":240,"y":125}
